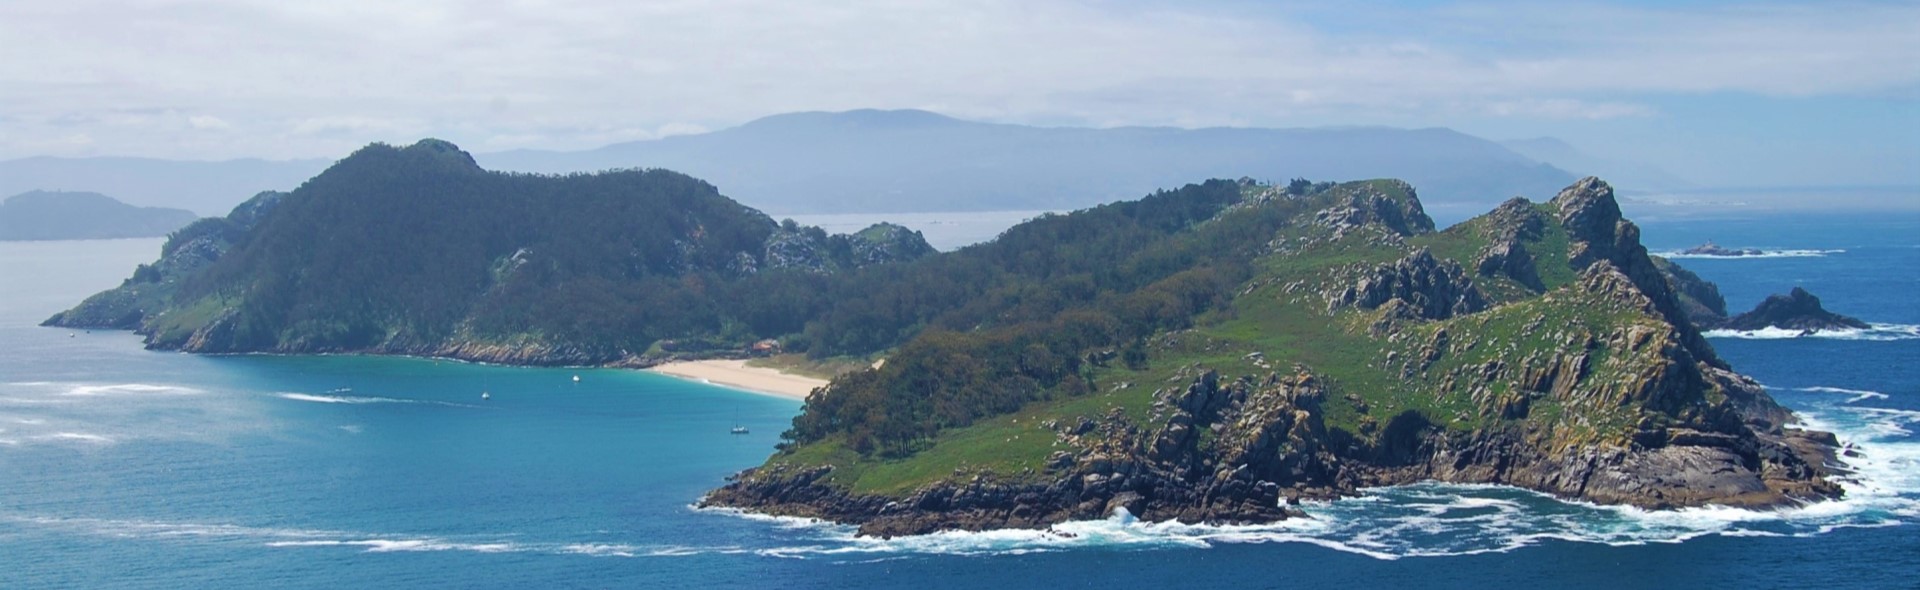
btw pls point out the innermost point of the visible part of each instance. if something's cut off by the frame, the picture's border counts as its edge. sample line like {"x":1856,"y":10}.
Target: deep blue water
{"x":123,"y":467}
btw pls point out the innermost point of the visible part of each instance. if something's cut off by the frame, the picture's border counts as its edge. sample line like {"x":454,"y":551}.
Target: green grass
{"x":1295,"y":328}
{"x":177,"y":324}
{"x":1008,"y":446}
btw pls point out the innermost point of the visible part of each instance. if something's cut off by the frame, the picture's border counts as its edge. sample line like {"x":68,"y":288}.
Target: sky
{"x":1721,"y":93}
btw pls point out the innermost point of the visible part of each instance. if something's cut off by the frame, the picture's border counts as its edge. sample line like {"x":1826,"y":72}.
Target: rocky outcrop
{"x":1509,"y":228}
{"x":1700,"y":299}
{"x":1404,"y":216}
{"x":1597,"y":233}
{"x":1244,"y":451}
{"x":1426,"y":288}
{"x":811,"y":249}
{"x":1712,"y":249}
{"x":1796,"y":310}
{"x":1212,"y":451}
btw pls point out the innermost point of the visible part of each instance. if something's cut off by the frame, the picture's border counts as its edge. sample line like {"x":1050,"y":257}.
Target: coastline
{"x":736,"y":374}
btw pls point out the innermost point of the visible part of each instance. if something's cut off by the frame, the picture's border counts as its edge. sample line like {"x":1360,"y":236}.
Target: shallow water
{"x":123,"y":467}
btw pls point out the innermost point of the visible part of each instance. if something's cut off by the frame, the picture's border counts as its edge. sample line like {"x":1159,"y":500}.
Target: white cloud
{"x":208,"y":122}
{"x":574,"y":74}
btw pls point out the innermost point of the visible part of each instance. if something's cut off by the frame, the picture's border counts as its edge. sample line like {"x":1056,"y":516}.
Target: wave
{"x":1876,"y":333}
{"x":1762,"y":254}
{"x":85,"y":437}
{"x":1860,"y":395}
{"x":355,"y":399}
{"x":94,"y":389}
{"x":364,"y":542}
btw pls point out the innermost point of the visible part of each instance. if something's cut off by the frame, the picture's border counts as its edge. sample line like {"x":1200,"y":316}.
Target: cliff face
{"x":1580,"y":376}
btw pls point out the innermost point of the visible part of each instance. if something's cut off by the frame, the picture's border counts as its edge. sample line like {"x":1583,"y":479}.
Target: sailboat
{"x":485,"y":395}
{"x":739,"y":430}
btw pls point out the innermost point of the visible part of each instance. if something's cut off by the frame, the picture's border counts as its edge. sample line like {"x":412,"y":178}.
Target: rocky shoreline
{"x":1750,"y":458}
{"x":1246,"y":450}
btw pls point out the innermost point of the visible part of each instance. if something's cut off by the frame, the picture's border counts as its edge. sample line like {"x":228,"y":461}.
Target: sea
{"x":127,"y":468}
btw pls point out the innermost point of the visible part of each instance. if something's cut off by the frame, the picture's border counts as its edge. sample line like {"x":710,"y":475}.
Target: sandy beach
{"x":736,"y":374}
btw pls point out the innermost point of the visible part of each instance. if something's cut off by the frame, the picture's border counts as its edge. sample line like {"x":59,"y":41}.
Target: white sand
{"x":736,"y":374}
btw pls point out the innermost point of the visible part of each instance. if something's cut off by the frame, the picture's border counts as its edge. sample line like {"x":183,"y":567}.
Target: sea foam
{"x":1877,"y":332}
{"x":1762,"y":254}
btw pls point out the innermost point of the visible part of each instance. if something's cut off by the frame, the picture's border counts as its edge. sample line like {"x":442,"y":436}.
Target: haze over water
{"x":121,"y":467}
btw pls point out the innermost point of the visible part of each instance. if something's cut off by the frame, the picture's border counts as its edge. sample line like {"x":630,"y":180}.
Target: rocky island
{"x":1711,"y":249}
{"x":1796,"y":310}
{"x":1537,"y":346}
{"x":1212,"y":353}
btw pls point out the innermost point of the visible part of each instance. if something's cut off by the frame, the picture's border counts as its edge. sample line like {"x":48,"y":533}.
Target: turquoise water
{"x":124,"y":467}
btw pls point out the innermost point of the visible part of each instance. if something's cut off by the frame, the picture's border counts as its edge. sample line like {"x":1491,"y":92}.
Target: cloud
{"x":207,"y":122}
{"x":567,"y":74}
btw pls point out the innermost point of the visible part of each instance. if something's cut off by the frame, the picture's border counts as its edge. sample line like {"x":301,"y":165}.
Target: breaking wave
{"x":1762,"y":254}
{"x":355,"y":399}
{"x":1877,"y":333}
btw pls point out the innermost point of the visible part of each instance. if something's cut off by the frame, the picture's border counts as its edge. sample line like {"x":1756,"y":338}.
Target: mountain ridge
{"x":900,"y":161}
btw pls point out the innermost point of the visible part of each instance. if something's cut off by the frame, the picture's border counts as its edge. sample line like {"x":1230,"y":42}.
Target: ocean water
{"x":121,"y":467}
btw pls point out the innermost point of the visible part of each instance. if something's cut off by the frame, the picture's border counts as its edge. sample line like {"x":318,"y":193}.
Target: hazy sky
{"x":1725,"y":93}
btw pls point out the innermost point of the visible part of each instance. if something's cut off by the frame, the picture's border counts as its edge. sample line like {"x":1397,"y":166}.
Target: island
{"x":1797,"y":310}
{"x":52,"y":215}
{"x":1218,"y":352}
{"x":1711,"y":249}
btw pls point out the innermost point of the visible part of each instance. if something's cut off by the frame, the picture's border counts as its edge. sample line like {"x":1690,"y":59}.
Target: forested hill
{"x":417,"y":250}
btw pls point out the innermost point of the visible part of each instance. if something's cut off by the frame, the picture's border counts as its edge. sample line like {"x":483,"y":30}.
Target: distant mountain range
{"x":42,"y":215}
{"x":1557,"y":152}
{"x":908,"y":161}
{"x":207,"y":188}
{"x":903,"y":161}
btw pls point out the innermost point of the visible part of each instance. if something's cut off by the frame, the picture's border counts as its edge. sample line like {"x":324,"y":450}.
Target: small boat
{"x":576,"y":378}
{"x":739,"y":430}
{"x":485,"y":395}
